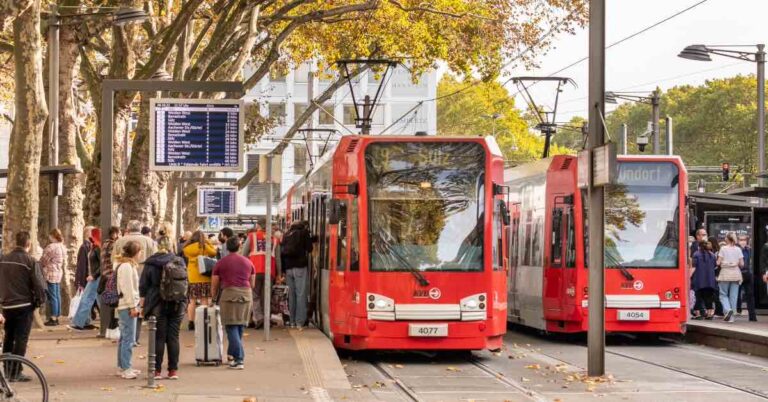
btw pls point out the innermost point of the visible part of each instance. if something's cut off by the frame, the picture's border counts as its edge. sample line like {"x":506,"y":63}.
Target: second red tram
{"x":645,"y":246}
{"x":410,"y":251}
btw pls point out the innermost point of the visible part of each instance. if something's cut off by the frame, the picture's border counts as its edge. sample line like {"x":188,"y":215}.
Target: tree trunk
{"x":71,"y":220}
{"x":21,"y":204}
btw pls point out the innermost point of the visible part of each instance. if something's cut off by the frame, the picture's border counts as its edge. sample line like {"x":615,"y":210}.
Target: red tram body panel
{"x":646,"y":281}
{"x":411,"y":250}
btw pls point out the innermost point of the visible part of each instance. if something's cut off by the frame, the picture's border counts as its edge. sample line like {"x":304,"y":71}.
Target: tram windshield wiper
{"x":404,"y":262}
{"x":625,"y":272}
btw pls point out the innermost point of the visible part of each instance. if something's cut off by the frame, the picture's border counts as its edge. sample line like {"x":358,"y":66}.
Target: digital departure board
{"x":216,"y":201}
{"x":196,"y":135}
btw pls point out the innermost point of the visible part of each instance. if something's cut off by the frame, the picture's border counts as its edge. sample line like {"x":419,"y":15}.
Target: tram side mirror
{"x":505,"y":218}
{"x":333,"y":212}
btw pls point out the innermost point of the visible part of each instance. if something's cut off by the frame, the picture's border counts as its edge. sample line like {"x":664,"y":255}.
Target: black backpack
{"x":174,"y":281}
{"x":292,"y":244}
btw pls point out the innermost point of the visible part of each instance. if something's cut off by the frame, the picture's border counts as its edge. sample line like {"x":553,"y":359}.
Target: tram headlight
{"x":474,"y":302}
{"x":668,"y":295}
{"x":380,"y":303}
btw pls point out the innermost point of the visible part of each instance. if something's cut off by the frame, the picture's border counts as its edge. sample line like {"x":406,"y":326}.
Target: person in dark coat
{"x":703,"y":281}
{"x":169,"y":314}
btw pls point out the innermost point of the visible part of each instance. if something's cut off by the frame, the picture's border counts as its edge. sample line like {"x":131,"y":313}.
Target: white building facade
{"x":405,"y":107}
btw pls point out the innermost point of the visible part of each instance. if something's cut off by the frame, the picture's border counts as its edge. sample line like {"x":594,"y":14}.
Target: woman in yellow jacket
{"x":199,"y":285}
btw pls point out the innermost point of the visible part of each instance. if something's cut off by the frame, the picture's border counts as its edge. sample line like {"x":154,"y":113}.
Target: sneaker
{"x":74,"y":328}
{"x":173,"y":375}
{"x":51,"y":323}
{"x":728,"y":316}
{"x":709,"y":317}
{"x":90,"y":327}
{"x":21,"y":378}
{"x":738,"y":313}
{"x":158,"y":375}
{"x":129,"y":375}
{"x":698,"y":317}
{"x":237,"y":366}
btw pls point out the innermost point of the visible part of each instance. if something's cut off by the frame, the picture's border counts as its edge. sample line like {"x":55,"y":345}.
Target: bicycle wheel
{"x":21,"y":380}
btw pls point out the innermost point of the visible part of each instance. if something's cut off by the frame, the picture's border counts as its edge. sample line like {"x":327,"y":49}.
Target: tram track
{"x":407,"y":387}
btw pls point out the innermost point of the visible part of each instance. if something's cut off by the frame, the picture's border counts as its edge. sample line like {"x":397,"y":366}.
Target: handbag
{"x":205,"y":265}
{"x":74,"y":304}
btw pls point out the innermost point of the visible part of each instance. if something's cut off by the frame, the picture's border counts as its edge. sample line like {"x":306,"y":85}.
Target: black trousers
{"x":748,"y":287}
{"x":169,"y":317}
{"x":18,"y":324}
{"x":705,"y":300}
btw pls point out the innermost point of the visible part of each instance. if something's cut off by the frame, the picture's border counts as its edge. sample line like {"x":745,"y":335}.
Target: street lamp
{"x":120,"y":16}
{"x":703,"y":52}
{"x":652,"y":99}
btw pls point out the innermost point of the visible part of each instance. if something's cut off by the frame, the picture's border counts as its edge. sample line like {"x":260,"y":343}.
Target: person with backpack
{"x":106,"y":311}
{"x":295,"y":249}
{"x":127,"y":289}
{"x":163,"y":289}
{"x":199,"y":284}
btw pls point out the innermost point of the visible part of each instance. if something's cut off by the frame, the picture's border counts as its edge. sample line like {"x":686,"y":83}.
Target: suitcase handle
{"x":210,"y":335}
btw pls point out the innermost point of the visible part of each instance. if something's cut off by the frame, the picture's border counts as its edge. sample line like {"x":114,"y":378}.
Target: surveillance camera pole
{"x":655,"y":116}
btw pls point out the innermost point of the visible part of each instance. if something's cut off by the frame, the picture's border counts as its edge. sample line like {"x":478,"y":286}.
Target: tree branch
{"x":431,"y":10}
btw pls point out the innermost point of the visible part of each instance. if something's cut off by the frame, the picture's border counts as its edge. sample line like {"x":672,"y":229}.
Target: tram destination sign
{"x":216,"y":201}
{"x":196,"y":135}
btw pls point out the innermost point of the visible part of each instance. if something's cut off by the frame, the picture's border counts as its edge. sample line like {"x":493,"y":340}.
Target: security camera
{"x":642,"y":141}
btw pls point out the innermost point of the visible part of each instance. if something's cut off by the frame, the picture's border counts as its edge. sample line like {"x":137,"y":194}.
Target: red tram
{"x":411,"y":251}
{"x":645,"y":246}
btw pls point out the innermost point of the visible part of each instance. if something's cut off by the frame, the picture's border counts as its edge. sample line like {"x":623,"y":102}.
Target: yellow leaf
{"x":59,"y":362}
{"x":108,"y":389}
{"x":398,"y":366}
{"x":454,"y":369}
{"x":533,"y":366}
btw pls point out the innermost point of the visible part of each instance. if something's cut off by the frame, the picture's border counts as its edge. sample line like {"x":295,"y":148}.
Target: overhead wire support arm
{"x":364,"y":119}
{"x":547,"y":126}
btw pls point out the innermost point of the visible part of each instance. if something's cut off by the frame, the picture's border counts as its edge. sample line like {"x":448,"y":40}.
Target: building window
{"x":349,"y":115}
{"x":277,"y":111}
{"x":256,"y":193}
{"x":301,"y":74}
{"x":277,"y":76}
{"x":298,"y":109}
{"x":326,"y":115}
{"x":299,"y":160}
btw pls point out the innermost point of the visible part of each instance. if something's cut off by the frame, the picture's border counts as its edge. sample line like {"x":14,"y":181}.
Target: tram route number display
{"x":196,"y":135}
{"x":216,"y":201}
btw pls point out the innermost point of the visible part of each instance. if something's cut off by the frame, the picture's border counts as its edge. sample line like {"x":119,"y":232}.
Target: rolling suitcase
{"x":279,"y":300}
{"x":209,"y":344}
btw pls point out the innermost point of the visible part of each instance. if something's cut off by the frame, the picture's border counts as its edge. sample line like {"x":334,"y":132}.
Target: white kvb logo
{"x":435,"y":293}
{"x":638,"y":285}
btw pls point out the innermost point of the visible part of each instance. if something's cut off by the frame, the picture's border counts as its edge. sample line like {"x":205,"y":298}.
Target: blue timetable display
{"x":196,"y":135}
{"x":216,"y":200}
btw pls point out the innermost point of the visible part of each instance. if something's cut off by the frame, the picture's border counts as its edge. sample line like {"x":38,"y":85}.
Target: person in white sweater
{"x":730,"y":259}
{"x":127,"y":308}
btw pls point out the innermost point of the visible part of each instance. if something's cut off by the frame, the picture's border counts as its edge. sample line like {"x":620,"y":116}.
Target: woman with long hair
{"x":199,"y":285}
{"x":128,"y":306}
{"x":52,"y":261}
{"x":703,"y":281}
{"x":730,"y":259}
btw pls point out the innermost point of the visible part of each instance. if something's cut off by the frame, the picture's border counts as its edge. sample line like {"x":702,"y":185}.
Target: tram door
{"x":560,"y":273}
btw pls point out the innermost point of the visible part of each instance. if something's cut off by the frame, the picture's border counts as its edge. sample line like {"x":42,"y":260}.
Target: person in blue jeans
{"x":234,"y":277}
{"x":730,"y":259}
{"x":128,"y":307}
{"x":295,"y":248}
{"x":86,"y":278}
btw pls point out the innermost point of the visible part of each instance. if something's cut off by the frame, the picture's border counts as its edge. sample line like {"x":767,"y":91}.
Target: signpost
{"x":216,"y":201}
{"x":196,"y":135}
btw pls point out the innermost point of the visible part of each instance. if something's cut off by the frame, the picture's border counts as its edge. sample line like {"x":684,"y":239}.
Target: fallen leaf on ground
{"x":451,"y":368}
{"x":250,"y":399}
{"x":523,"y":379}
{"x":398,"y":366}
{"x":108,"y":389}
{"x":38,"y":357}
{"x":59,"y":362}
{"x":533,"y":366}
{"x":379,"y":384}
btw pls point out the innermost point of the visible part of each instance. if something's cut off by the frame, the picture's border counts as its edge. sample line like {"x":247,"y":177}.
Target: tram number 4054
{"x":428,"y":330}
{"x":634,"y":315}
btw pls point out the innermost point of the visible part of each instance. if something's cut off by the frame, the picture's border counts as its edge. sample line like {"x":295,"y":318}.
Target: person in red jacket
{"x":255,"y":249}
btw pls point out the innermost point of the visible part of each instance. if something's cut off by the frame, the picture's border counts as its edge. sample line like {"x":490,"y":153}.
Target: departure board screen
{"x":196,"y":135}
{"x":216,"y":201}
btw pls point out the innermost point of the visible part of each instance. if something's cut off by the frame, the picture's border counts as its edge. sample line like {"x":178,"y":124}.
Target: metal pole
{"x":670,"y":143}
{"x":760,"y":58}
{"x":107,"y":126}
{"x":151,"y":352}
{"x":179,"y":209}
{"x":53,"y":109}
{"x":655,"y":121}
{"x":596,"y":333}
{"x":311,"y":123}
{"x":268,"y":253}
{"x":624,"y":139}
{"x":367,"y":118}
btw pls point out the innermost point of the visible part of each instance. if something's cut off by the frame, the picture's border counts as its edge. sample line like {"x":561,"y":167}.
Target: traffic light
{"x":726,"y":171}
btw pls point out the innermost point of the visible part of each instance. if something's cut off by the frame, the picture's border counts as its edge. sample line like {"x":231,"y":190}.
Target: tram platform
{"x":293,"y":365}
{"x":742,"y":336}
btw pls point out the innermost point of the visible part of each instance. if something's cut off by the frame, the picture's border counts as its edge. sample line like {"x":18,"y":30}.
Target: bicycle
{"x":35,"y":389}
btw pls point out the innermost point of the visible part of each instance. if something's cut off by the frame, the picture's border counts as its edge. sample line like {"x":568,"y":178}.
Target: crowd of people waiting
{"x":122,"y":280}
{"x":721,"y":276}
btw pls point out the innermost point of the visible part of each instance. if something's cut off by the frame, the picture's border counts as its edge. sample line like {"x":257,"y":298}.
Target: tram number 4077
{"x":428,"y":330}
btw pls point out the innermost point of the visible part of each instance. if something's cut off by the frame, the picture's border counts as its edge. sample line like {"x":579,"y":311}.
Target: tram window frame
{"x":341,"y":236}
{"x":585,"y":227}
{"x":497,"y":241}
{"x":556,"y":245}
{"x":570,"y":240}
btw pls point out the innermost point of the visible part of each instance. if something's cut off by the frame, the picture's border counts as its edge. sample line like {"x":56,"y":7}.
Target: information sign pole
{"x":596,"y":329}
{"x":268,"y":254}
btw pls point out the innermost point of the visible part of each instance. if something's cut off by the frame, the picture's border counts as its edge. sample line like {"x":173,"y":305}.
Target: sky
{"x":650,"y":59}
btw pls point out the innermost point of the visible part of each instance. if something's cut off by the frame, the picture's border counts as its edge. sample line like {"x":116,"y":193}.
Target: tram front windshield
{"x":425,"y":206}
{"x":641,"y":216}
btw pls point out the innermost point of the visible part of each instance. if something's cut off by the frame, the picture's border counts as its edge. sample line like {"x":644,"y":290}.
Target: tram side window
{"x":341,"y":244}
{"x":354,"y":238}
{"x":570,"y":241}
{"x":556,"y":252}
{"x":498,"y":247}
{"x":585,"y":220}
